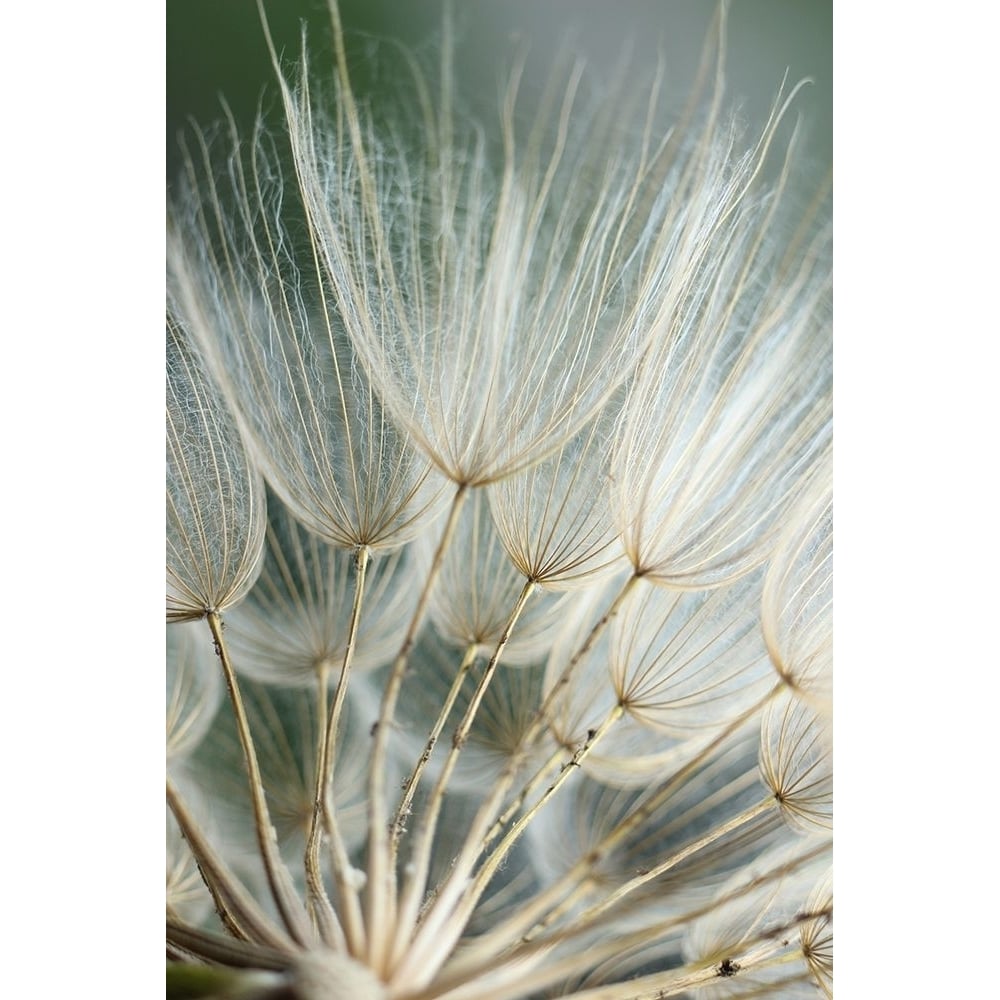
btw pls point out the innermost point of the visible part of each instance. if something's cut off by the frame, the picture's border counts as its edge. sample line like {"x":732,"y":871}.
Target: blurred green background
{"x":216,"y":47}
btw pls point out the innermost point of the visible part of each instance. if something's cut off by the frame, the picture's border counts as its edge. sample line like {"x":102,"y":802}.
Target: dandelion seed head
{"x":527,"y":663}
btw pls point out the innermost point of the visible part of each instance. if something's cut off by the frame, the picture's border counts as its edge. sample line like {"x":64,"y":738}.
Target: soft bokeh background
{"x":216,"y":47}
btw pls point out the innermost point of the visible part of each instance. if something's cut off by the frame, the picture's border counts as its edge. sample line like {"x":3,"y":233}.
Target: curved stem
{"x":747,"y":816}
{"x":424,"y":840}
{"x":238,"y":910}
{"x":416,"y":967}
{"x":410,"y":788}
{"x":381,"y":885}
{"x":516,"y":975}
{"x":497,"y":856}
{"x":320,"y":908}
{"x":280,"y":882}
{"x":222,"y":950}
{"x":324,"y":813}
{"x":526,"y":922}
{"x":766,"y":949}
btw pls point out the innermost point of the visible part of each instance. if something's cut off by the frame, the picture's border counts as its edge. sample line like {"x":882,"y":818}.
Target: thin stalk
{"x":415,"y":967}
{"x":762,"y":950}
{"x":320,"y":908}
{"x":463,"y":979}
{"x":576,"y":896}
{"x":222,"y":950}
{"x":542,"y":774}
{"x":424,"y":840}
{"x":542,"y":716}
{"x":323,"y":811}
{"x":591,"y":916}
{"x":497,"y":856}
{"x":175,"y":953}
{"x":747,"y":816}
{"x":345,"y":878}
{"x":410,"y":788}
{"x":280,"y":882}
{"x":537,"y":915}
{"x":768,"y":951}
{"x":381,"y":885}
{"x":586,"y":922}
{"x":237,"y":909}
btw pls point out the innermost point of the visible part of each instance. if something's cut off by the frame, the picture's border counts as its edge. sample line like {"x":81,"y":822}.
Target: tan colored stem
{"x":497,"y":856}
{"x":541,"y":775}
{"x":462,"y":979}
{"x":747,"y":816}
{"x":424,"y":839}
{"x":278,"y":879}
{"x":410,"y":788}
{"x":536,"y":916}
{"x":319,"y":906}
{"x":214,"y":948}
{"x":418,"y":966}
{"x":381,"y":885}
{"x":763,"y":950}
{"x":237,"y":909}
{"x":324,"y":812}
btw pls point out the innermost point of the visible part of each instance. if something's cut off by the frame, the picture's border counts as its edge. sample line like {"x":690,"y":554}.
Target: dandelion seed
{"x":215,"y":497}
{"x":513,"y":334}
{"x":796,"y":613}
{"x":315,"y":426}
{"x":796,"y":763}
{"x":294,"y":625}
{"x":477,"y":587}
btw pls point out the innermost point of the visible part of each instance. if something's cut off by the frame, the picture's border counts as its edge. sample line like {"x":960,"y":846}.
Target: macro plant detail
{"x":499,"y":546}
